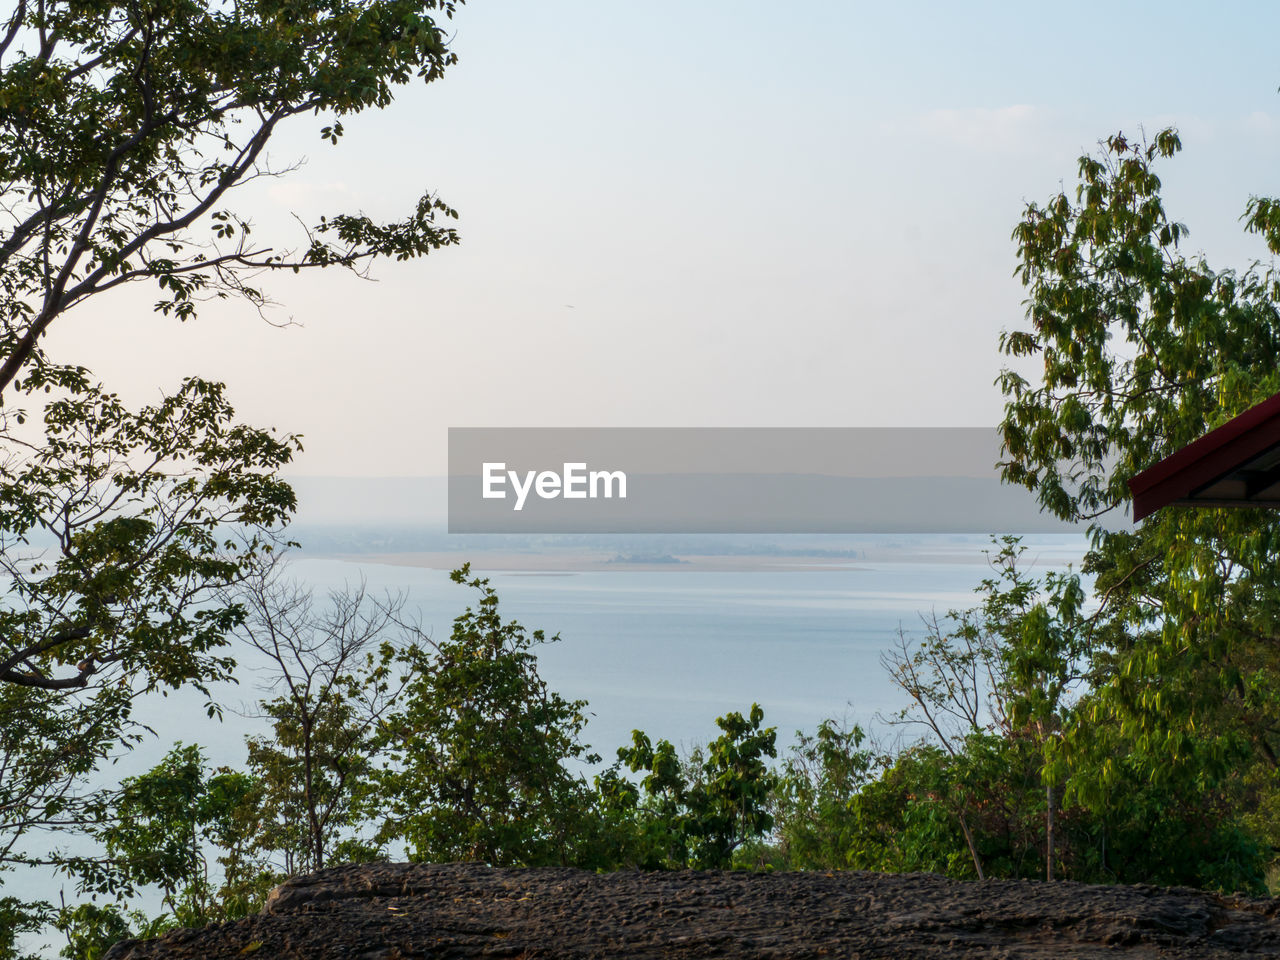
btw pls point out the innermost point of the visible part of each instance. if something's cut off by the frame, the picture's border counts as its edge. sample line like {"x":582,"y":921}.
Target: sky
{"x":711,"y":213}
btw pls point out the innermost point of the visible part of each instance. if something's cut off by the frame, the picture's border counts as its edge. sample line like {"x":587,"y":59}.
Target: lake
{"x":668,"y":650}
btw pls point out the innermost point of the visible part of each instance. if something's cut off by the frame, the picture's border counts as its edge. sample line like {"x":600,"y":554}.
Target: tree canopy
{"x":126,"y":127}
{"x":1143,"y":349}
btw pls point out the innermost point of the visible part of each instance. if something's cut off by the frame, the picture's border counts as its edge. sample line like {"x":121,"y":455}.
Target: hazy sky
{"x":724,"y":213}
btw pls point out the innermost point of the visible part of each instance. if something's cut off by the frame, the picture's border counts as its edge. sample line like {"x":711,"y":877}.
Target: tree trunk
{"x":1048,"y":860}
{"x":316,"y":844}
{"x":973,"y":850}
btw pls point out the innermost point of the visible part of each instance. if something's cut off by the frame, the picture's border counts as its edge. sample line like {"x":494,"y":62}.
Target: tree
{"x":1139,"y":349}
{"x":991,"y":691}
{"x":944,"y":677}
{"x":155,"y":837}
{"x":115,"y":534}
{"x":168,"y":827}
{"x":1007,"y":780}
{"x":698,"y":812}
{"x":125,"y":130}
{"x":729,"y":798}
{"x":19,"y":917}
{"x":479,"y":748}
{"x":813,"y":809}
{"x":334,"y":675}
{"x":126,"y":127}
{"x":1144,"y":350}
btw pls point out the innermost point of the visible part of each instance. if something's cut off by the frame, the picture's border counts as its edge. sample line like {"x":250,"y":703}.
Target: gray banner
{"x":733,"y":480}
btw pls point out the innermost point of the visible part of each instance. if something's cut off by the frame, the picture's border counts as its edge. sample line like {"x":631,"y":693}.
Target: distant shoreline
{"x":507,"y":562}
{"x":572,"y":561}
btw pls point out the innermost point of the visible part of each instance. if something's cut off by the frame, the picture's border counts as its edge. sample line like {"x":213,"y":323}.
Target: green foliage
{"x":1140,"y":350}
{"x":908,"y":819}
{"x":480,"y":745}
{"x":48,"y":744}
{"x":696,"y":813}
{"x":124,"y":129}
{"x":906,"y":816}
{"x":165,"y":829}
{"x":314,"y":772}
{"x":1143,"y":350}
{"x":814,"y":807}
{"x":155,"y":837}
{"x":138,"y":506}
{"x":16,"y":918}
{"x":1007,"y":782}
{"x":133,"y":503}
{"x":91,"y":929}
{"x":166,"y":825}
{"x":116,"y":533}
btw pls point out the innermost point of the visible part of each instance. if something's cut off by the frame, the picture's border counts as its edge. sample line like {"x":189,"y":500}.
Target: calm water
{"x":668,"y":651}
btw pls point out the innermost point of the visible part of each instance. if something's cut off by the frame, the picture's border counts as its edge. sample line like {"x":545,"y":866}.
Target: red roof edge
{"x":1210,"y":457}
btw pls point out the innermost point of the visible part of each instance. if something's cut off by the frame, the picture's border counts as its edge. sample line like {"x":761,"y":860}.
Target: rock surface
{"x":402,"y":911}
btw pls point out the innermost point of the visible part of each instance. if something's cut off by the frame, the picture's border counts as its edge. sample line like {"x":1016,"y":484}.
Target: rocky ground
{"x":394,"y":911}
